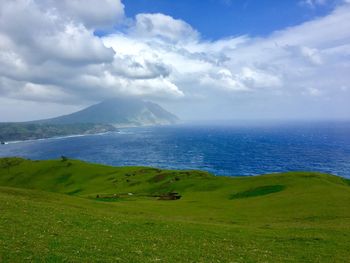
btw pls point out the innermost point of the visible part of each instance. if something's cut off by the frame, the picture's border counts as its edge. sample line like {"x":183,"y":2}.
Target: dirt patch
{"x":158,"y":178}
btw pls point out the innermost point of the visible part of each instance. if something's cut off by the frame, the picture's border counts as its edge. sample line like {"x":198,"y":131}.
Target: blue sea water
{"x":223,"y":149}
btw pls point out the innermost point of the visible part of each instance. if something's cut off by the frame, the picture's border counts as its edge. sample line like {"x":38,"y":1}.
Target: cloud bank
{"x":49,"y":52}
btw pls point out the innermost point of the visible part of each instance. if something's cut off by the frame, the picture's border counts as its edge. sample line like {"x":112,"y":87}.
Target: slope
{"x":291,"y":217}
{"x":120,"y":112}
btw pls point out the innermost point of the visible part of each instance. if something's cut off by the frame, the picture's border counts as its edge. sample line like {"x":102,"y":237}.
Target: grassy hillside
{"x":49,"y":212}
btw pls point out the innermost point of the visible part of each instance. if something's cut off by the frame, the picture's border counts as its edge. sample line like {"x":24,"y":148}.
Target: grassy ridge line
{"x":80,"y":178}
{"x":205,"y":197}
{"x":76,"y":177}
{"x":290,"y":217}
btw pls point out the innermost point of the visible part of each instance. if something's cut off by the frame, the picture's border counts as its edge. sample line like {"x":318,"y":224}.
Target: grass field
{"x":49,"y":212}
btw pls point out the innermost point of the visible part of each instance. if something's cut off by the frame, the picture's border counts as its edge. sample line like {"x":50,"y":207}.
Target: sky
{"x":202,"y":60}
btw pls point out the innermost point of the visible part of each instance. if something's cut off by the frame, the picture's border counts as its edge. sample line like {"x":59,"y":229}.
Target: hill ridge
{"x":69,"y":210}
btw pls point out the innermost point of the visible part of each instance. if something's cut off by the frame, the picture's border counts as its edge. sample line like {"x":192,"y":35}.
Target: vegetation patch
{"x":149,"y":170}
{"x":347,"y":181}
{"x":109,"y":199}
{"x":76,"y":191}
{"x":112,"y":197}
{"x":259,"y":191}
{"x":158,"y":178}
{"x":63,"y":178}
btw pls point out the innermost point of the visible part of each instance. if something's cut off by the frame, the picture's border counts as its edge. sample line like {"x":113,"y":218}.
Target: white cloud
{"x":160,"y":25}
{"x":93,"y":14}
{"x":321,"y":3}
{"x":313,"y":91}
{"x":48,"y":52}
{"x":313,"y":3}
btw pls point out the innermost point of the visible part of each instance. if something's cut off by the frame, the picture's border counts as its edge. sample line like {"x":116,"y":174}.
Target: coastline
{"x":60,"y":137}
{"x":246,"y":152}
{"x":118,"y":127}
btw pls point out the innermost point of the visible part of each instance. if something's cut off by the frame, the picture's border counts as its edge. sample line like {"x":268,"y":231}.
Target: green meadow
{"x":72,"y":211}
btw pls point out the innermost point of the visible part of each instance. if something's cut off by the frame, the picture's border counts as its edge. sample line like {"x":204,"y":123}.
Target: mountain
{"x":102,"y":117}
{"x":120,"y":112}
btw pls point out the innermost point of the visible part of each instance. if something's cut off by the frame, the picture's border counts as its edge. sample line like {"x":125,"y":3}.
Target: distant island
{"x":106,"y":116}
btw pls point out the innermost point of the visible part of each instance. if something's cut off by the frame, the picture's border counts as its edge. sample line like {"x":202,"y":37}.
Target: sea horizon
{"x":228,"y":149}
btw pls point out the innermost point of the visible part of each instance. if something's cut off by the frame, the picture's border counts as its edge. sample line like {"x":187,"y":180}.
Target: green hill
{"x":68,"y":210}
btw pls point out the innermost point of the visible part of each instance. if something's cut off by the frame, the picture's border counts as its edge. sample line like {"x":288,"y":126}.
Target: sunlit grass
{"x":49,"y":212}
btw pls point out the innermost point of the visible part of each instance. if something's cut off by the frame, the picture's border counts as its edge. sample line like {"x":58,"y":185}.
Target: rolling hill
{"x":69,"y":210}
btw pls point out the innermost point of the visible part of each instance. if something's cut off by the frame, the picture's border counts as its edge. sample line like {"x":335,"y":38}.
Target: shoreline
{"x":119,"y":129}
{"x":181,"y":169}
{"x":59,"y":137}
{"x":180,"y":147}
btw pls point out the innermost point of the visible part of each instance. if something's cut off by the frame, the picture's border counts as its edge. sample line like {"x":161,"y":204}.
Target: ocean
{"x":220,"y":148}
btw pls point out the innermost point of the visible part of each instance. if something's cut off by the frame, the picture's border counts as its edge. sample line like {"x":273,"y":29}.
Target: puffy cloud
{"x":48,"y":52}
{"x":36,"y":35}
{"x":289,"y":59}
{"x":93,"y":14}
{"x":160,"y":25}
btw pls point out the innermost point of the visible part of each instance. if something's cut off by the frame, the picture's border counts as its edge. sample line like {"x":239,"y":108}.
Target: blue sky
{"x":216,"y":19}
{"x":200,"y":59}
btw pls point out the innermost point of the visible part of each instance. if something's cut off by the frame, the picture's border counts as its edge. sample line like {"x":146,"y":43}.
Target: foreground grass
{"x":49,"y":213}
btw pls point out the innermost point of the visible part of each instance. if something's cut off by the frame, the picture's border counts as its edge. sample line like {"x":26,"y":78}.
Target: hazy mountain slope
{"x":119,"y":112}
{"x":101,"y":117}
